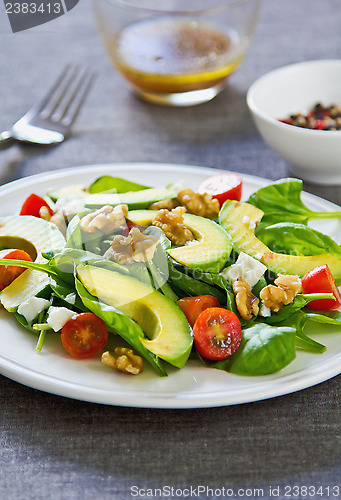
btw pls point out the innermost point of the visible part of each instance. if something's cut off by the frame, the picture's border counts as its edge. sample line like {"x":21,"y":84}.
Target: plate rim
{"x":51,"y":384}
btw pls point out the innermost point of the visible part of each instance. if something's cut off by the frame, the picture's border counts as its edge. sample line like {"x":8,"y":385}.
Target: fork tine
{"x":77,"y":98}
{"x":53,"y":90}
{"x":63,"y":88}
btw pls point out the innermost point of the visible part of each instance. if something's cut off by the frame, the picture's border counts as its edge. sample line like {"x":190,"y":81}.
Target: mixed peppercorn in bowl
{"x":285,"y":97}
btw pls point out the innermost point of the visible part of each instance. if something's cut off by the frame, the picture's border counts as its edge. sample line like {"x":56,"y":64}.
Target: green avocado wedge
{"x":134,"y":199}
{"x":163,"y":322}
{"x":240,"y":221}
{"x":209,"y":251}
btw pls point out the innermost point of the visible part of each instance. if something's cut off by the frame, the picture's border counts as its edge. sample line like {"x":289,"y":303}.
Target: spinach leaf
{"x":219,"y":280}
{"x":328,"y":318}
{"x":297,"y":239}
{"x":298,"y":303}
{"x":299,"y":321}
{"x":45,"y":268}
{"x":281,"y":202}
{"x":121,"y":324}
{"x":65,"y":261}
{"x":264,"y":349}
{"x":180,"y":281}
{"x":107,"y":183}
{"x":261,"y":283}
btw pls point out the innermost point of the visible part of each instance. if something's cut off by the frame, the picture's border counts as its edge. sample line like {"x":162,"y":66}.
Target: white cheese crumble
{"x":58,"y":316}
{"x":252,"y":225}
{"x":258,"y":255}
{"x":264,"y":311}
{"x":71,"y":298}
{"x":70,"y":207}
{"x":32,"y":307}
{"x":247,"y":268}
{"x":245,"y":219}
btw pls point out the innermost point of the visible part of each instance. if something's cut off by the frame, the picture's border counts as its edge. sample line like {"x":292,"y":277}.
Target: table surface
{"x":67,"y":449}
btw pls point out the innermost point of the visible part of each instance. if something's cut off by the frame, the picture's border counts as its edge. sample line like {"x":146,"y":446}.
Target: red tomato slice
{"x":320,"y":280}
{"x":217,"y":333}
{"x":223,"y":187}
{"x":9,"y":273}
{"x":33,"y":204}
{"x":84,"y":335}
{"x":129,"y":225}
{"x":192,"y":307}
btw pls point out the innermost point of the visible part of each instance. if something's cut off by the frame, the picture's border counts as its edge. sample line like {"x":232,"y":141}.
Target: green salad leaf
{"x":264,"y":349}
{"x":109,"y":184}
{"x":281,"y":202}
{"x":303,"y":341}
{"x":297,"y":304}
{"x":297,"y":239}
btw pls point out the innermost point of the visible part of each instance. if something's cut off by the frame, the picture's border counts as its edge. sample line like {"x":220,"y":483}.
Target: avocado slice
{"x":167,"y":329}
{"x":134,"y":199}
{"x":35,"y":236}
{"x":240,"y":221}
{"x":210,"y":250}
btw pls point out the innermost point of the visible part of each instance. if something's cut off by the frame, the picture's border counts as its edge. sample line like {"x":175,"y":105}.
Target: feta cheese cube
{"x":264,"y":311}
{"x":71,"y":298}
{"x":58,"y":316}
{"x":32,"y":307}
{"x":246,"y":267}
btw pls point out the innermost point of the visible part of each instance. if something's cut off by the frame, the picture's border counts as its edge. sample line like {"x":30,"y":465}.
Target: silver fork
{"x":49,"y":121}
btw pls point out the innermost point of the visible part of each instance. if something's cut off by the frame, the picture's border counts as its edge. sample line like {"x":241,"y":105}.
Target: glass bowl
{"x":179,"y":53}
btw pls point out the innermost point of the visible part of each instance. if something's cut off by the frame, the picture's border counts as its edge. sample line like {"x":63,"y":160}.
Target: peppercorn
{"x":318,"y":118}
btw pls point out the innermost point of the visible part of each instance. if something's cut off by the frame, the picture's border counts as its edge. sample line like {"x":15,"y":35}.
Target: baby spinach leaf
{"x":328,"y":317}
{"x":299,"y":321}
{"x":45,"y":268}
{"x":264,"y":349}
{"x":298,"y":303}
{"x":261,"y":283}
{"x":121,"y":324}
{"x":281,"y":202}
{"x":219,"y":280}
{"x":297,"y":239}
{"x":191,"y":286}
{"x":107,"y":183}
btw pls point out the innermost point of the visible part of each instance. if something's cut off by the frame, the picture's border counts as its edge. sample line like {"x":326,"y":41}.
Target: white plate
{"x":54,"y":371}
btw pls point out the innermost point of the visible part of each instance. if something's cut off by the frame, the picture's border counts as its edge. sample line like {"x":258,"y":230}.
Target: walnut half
{"x":282,"y":293}
{"x":172,"y":224}
{"x":169,"y":204}
{"x":247,"y":303}
{"x":106,"y":219}
{"x":136,"y":247}
{"x":126,"y":361}
{"x":199,"y":204}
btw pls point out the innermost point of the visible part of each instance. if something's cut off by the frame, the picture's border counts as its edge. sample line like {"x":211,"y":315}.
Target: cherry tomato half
{"x":192,"y":307}
{"x":33,"y":204}
{"x":84,"y":335}
{"x":227,"y":186}
{"x":320,"y":280}
{"x":217,"y":333}
{"x":9,"y":273}
{"x":128,"y":227}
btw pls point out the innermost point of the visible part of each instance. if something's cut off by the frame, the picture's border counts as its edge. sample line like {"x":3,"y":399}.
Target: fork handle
{"x":6,"y":140}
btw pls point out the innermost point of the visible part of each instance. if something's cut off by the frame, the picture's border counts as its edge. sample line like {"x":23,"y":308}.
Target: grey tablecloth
{"x":53,"y":447}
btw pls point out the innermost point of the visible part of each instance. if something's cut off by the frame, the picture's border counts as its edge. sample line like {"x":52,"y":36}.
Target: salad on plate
{"x":172,"y":273}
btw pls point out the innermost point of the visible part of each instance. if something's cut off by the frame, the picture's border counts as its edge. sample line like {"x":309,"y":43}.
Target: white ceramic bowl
{"x":313,"y":155}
